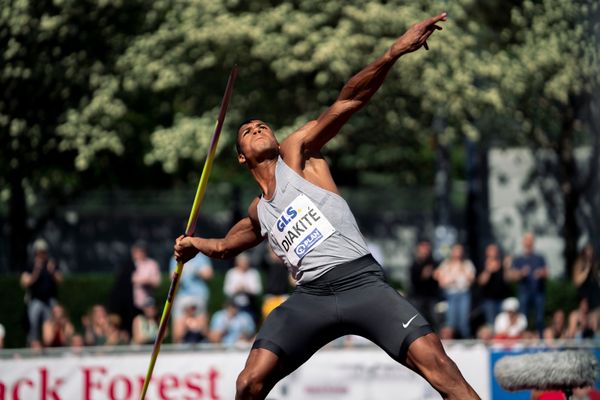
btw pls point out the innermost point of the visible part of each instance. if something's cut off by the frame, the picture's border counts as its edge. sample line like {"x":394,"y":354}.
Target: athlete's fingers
{"x":442,"y":17}
{"x":430,"y":23}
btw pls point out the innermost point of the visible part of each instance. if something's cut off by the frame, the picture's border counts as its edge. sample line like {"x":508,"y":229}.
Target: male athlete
{"x":341,"y":289}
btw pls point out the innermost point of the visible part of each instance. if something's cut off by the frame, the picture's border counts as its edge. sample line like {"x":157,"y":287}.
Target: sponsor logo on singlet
{"x":300,"y":228}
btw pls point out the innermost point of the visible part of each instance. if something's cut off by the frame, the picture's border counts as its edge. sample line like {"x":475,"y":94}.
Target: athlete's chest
{"x":296,"y":226}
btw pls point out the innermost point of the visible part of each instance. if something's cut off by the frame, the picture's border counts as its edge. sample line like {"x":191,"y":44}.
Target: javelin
{"x":191,"y":227}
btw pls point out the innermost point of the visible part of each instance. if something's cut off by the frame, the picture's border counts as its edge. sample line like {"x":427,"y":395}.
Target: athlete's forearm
{"x":362,"y":86}
{"x":240,"y":237}
{"x":213,"y":248}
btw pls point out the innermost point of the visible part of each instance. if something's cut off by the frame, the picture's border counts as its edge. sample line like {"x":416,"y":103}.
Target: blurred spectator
{"x":146,"y":276}
{"x":193,"y":289}
{"x":95,"y":326}
{"x":243,"y":285}
{"x":194,"y":327}
{"x":36,"y":346}
{"x":492,"y":281}
{"x":586,"y":277}
{"x":2,"y":334}
{"x":120,"y":301}
{"x":424,"y":288}
{"x":77,"y":344}
{"x":485,"y":333}
{"x":145,"y":325}
{"x":557,"y":328}
{"x":447,"y":333}
{"x":40,"y":280}
{"x":582,"y":323}
{"x":530,"y":270}
{"x":585,"y":393}
{"x":510,"y":323}
{"x":115,"y":333}
{"x":231,"y":325}
{"x":278,"y":281}
{"x":57,"y":330}
{"x":455,"y":276}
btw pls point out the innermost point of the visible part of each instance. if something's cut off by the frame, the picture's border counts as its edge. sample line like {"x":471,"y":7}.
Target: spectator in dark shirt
{"x":586,"y":277}
{"x":425,"y":289}
{"x":194,"y":327}
{"x":530,"y":271}
{"x":40,"y":279}
{"x":57,"y":330}
{"x":120,"y":300}
{"x":492,"y":281}
{"x":557,"y":329}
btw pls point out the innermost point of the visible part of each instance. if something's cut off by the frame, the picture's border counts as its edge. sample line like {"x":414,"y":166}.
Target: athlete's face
{"x":255,"y":141}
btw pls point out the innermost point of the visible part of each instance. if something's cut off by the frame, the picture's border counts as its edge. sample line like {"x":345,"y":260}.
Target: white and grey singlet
{"x":310,"y":228}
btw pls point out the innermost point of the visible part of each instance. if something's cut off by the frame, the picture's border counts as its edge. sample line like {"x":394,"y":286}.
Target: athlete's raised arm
{"x":242,"y":236}
{"x":360,"y":88}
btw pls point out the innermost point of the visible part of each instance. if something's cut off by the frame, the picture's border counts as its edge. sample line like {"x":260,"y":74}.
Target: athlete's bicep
{"x":245,"y":234}
{"x":329,"y":124}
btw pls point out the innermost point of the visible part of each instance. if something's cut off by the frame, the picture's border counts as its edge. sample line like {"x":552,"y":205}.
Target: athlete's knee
{"x":443,"y":374}
{"x":249,"y":385}
{"x":441,"y":371}
{"x":428,"y":357}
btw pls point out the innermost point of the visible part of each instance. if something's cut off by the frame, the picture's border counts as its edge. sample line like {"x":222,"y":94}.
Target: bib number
{"x":300,"y":228}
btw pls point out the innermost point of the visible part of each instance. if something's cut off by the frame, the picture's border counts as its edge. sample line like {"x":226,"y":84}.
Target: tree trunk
{"x":570,"y":229}
{"x":569,"y":189}
{"x":17,"y":222}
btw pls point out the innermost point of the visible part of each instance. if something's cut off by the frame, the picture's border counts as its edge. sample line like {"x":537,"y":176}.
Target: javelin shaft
{"x":191,"y":226}
{"x":190,"y":229}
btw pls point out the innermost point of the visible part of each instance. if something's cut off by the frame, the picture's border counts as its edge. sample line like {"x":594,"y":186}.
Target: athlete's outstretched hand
{"x":417,"y":35}
{"x":184,"y":249}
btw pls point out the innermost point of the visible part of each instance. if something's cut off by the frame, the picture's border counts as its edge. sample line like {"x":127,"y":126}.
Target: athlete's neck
{"x":264,"y":175}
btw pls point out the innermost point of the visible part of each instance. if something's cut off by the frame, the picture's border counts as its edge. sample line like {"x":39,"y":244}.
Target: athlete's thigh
{"x":378,"y":312}
{"x":300,"y":326}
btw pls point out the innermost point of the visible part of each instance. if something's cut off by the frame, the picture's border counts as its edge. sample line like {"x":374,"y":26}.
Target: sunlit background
{"x":107,"y":108}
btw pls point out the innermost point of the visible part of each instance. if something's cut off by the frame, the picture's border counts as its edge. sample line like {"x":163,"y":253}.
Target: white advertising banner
{"x":338,"y":374}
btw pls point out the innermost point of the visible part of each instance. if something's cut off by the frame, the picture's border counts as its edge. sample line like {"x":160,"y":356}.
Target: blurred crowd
{"x":131,"y":313}
{"x":503,"y":299}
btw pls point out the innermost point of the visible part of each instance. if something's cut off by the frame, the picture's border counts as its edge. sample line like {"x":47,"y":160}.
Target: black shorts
{"x":351,"y":299}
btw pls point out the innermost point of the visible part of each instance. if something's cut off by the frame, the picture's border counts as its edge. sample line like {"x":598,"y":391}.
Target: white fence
{"x":363,"y":373}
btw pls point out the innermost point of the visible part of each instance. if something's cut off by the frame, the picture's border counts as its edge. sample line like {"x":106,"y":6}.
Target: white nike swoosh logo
{"x":405,"y":325}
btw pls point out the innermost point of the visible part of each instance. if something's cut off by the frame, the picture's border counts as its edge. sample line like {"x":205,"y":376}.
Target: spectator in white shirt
{"x":243,"y":285}
{"x":510,"y":323}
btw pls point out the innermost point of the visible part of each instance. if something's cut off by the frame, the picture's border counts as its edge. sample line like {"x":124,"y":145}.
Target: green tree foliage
{"x":548,"y":73}
{"x":293,"y":58}
{"x":97,"y":86}
{"x":57,"y":57}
